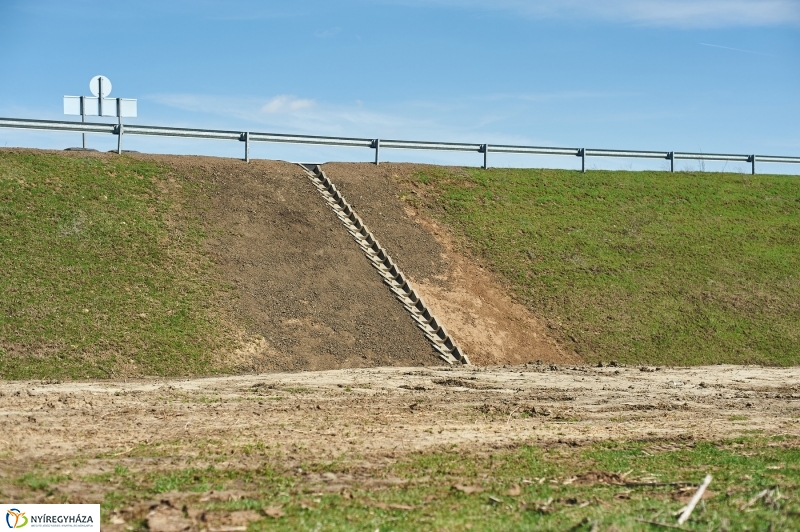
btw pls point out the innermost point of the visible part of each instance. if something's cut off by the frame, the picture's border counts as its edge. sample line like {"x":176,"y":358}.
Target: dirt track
{"x":379,"y":413}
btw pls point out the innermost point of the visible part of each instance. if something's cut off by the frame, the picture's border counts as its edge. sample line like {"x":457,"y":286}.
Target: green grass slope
{"x":101,"y":274}
{"x":638,"y":267}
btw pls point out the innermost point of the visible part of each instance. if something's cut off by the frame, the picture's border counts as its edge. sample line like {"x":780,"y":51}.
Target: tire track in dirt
{"x":385,"y":412}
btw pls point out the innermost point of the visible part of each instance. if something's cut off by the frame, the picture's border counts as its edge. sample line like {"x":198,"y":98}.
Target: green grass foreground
{"x":101,"y":275}
{"x":613,"y":486}
{"x":639,"y":267}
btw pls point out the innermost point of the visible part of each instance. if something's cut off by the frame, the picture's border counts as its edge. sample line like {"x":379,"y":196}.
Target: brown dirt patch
{"x":368,"y":418}
{"x":471,"y":302}
{"x":305,"y":296}
{"x":380,"y":412}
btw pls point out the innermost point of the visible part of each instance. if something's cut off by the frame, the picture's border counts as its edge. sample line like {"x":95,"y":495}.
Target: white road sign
{"x":100,"y":84}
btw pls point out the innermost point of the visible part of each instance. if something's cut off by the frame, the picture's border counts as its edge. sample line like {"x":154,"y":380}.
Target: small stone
{"x":165,"y":518}
{"x":275,"y":513}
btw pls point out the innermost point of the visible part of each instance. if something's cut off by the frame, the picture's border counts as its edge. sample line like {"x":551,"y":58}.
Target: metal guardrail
{"x":376,"y":144}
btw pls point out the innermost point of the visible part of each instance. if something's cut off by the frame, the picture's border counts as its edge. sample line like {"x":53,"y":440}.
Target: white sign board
{"x":122,"y":107}
{"x":127,"y":107}
{"x":72,"y":105}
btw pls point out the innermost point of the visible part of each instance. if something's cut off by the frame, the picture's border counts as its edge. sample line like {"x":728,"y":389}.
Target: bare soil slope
{"x":471,"y":302}
{"x":307,"y":297}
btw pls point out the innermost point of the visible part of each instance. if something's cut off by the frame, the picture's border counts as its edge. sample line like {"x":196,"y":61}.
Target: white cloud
{"x":291,"y":114}
{"x":331,"y":32}
{"x":286,"y":103}
{"x":457,"y":119}
{"x":674,"y":13}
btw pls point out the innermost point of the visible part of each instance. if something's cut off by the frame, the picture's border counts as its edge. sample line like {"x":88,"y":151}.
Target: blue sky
{"x":683,"y":75}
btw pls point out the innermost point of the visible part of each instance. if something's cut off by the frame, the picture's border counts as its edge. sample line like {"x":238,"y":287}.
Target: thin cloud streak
{"x":325,"y":34}
{"x":291,"y":114}
{"x":419,"y":119}
{"x":459,"y":120}
{"x":734,"y":49}
{"x":671,"y":13}
{"x":286,"y":103}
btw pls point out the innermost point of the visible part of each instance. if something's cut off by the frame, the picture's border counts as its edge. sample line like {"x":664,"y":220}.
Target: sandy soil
{"x":386,"y":412}
{"x":364,"y":419}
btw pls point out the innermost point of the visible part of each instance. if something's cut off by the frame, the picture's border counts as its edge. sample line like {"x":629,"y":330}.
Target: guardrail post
{"x":583,"y":160}
{"x":753,"y":163}
{"x":83,"y":119}
{"x":119,"y":139}
{"x":377,"y":145}
{"x":246,"y":139}
{"x":672,"y":161}
{"x":485,"y":150}
{"x":119,"y":134}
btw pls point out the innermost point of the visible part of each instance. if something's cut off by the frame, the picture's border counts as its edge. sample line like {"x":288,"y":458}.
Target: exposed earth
{"x":372,"y":416}
{"x":310,"y":300}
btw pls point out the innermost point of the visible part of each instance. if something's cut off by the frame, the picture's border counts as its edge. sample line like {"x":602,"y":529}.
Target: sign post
{"x":100,"y":105}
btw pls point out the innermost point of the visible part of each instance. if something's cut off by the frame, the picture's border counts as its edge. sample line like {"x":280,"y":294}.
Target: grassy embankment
{"x":614,"y":486}
{"x":639,"y":267}
{"x":102,"y":273}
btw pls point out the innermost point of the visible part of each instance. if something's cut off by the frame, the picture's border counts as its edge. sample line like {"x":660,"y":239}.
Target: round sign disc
{"x":94,"y":86}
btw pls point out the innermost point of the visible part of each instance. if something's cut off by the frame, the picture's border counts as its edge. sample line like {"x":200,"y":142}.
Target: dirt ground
{"x":306,"y":297}
{"x":470,"y":300}
{"x":387,"y":412}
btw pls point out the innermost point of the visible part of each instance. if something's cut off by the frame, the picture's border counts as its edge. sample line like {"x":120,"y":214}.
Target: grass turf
{"x":639,"y":267}
{"x":101,"y":274}
{"x":613,"y":486}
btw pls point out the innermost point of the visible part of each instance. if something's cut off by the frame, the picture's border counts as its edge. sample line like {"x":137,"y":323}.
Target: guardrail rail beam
{"x":376,"y":144}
